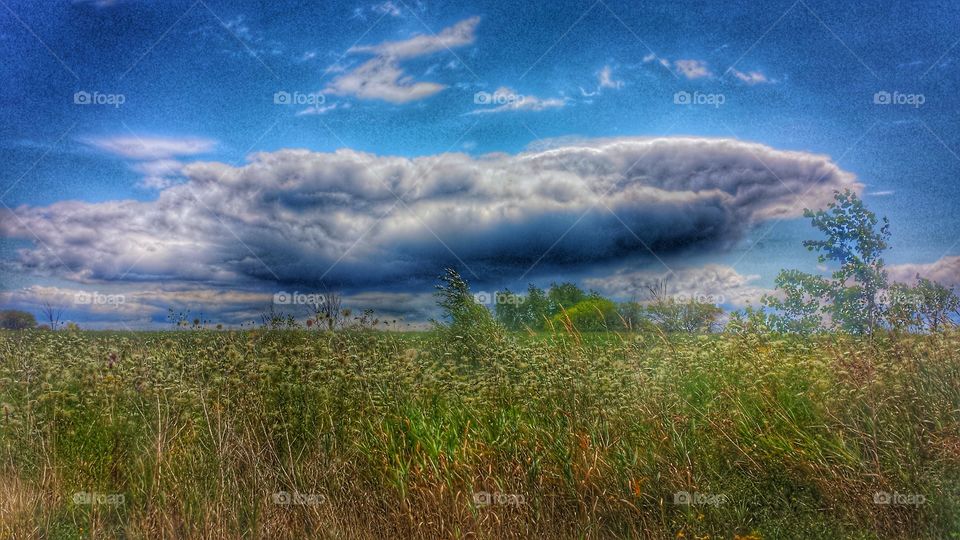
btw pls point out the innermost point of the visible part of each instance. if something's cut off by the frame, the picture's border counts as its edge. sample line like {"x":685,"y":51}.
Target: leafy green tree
{"x":564,"y":295}
{"x":590,"y":315}
{"x":799,"y":307}
{"x":854,"y":241}
{"x":13,"y":319}
{"x":536,"y":307}
{"x":691,"y":317}
{"x":464,"y":314}
{"x":509,"y":310}
{"x":925,"y":307}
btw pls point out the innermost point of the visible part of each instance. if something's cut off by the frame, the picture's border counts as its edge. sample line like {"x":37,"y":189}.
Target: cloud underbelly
{"x":358,"y":218}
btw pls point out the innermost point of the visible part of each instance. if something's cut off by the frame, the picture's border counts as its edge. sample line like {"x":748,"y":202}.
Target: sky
{"x":216,"y":157}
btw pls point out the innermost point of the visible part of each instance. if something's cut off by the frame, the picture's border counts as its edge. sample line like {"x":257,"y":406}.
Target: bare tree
{"x":52,"y":314}
{"x":327,"y":310}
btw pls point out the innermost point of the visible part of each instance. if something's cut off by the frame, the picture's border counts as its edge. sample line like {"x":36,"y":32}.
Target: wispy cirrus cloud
{"x":148,"y":147}
{"x":157,"y":158}
{"x":605,"y":79}
{"x":692,"y":69}
{"x":382,"y":77}
{"x":752,"y":77}
{"x":505,"y":99}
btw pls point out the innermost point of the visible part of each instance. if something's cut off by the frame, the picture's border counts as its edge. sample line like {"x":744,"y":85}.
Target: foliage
{"x":13,"y":319}
{"x":925,"y":307}
{"x":854,"y":241}
{"x":468,"y":326}
{"x":589,"y":315}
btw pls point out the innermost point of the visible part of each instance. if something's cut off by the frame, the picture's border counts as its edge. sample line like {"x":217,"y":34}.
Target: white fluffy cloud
{"x":712,"y":283}
{"x":945,"y":270}
{"x":154,"y":156}
{"x":382,"y":78}
{"x":291,"y":215}
{"x":693,"y":69}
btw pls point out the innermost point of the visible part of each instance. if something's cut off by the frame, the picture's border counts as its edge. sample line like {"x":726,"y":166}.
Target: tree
{"x":854,"y":242}
{"x":926,"y":307}
{"x":590,"y":315}
{"x":509,"y":310}
{"x":798,"y":309}
{"x":470,"y":329}
{"x":458,"y":304}
{"x":673,"y":315}
{"x":13,"y":319}
{"x":52,"y":314}
{"x":564,"y":295}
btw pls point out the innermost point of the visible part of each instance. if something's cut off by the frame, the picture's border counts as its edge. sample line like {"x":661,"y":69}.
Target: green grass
{"x":584,"y":435}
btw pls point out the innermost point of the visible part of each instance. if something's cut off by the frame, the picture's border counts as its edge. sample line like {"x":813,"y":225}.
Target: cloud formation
{"x":150,"y":148}
{"x":712,"y":283}
{"x":156,"y":157}
{"x":700,"y":69}
{"x":945,"y":270}
{"x":356,"y":219}
{"x":506,"y":99}
{"x":693,"y":69}
{"x":382,"y":78}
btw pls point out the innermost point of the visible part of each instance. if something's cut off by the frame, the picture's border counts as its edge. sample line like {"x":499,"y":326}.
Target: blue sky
{"x":207,"y":155}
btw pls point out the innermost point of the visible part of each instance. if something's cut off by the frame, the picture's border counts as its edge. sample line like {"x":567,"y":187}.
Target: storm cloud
{"x":354,"y":219}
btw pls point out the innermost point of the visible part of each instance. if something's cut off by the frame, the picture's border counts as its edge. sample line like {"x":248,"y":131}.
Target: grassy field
{"x":301,"y":434}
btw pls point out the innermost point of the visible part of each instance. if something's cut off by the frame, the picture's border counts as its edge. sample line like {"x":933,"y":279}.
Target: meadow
{"x":478,"y":434}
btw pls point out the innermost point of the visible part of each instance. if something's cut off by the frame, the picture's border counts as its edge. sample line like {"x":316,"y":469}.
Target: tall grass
{"x":394,"y":435}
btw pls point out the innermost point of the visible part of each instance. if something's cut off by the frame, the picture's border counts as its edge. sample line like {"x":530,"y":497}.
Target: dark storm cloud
{"x":357,"y":219}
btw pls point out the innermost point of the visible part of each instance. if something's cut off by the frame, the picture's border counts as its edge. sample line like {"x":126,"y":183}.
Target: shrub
{"x":13,"y":319}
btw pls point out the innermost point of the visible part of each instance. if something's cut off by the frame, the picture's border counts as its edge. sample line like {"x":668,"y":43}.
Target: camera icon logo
{"x":482,"y":297}
{"x":82,"y":98}
{"x":882,"y":98}
{"x":881,"y":497}
{"x":682,"y":497}
{"x":682,"y":98}
{"x":282,"y":497}
{"x":281,"y":98}
{"x":482,"y":98}
{"x":281,"y":298}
